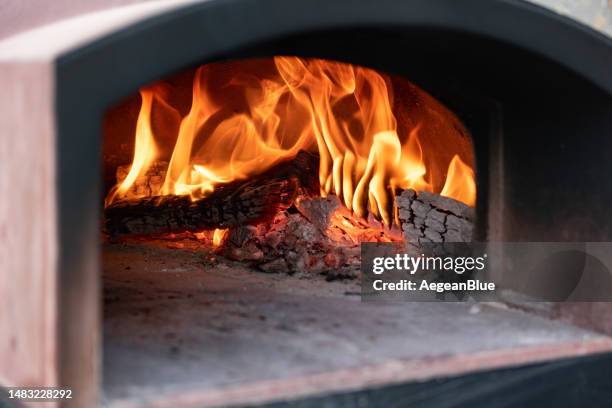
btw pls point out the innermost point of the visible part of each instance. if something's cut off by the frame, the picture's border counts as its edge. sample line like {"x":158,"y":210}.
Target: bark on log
{"x":426,"y":217}
{"x":244,"y":202}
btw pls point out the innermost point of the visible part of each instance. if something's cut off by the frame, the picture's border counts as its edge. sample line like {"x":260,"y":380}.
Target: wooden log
{"x":342,"y":225}
{"x":292,"y":243}
{"x":243,"y":202}
{"x":147,"y":185}
{"x":427,"y":217}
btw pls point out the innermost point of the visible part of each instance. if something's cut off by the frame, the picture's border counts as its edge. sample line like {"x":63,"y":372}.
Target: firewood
{"x":147,"y":185}
{"x":340,"y":224}
{"x":322,"y":237}
{"x":242,"y":202}
{"x":431,"y":218}
{"x":291,"y":243}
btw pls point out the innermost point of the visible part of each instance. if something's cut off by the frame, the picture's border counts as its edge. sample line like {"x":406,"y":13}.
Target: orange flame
{"x":242,"y":122}
{"x":145,"y":149}
{"x":218,"y":237}
{"x":460,"y":183}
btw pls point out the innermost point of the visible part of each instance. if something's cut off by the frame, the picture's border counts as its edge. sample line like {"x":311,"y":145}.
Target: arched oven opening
{"x":238,"y":192}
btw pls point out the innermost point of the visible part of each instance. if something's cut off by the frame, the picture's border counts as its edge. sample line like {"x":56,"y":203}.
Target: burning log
{"x":321,"y":237}
{"x":147,"y":185}
{"x":324,"y":237}
{"x":291,"y":243}
{"x":342,"y":225}
{"x":426,"y":217}
{"x":243,"y":202}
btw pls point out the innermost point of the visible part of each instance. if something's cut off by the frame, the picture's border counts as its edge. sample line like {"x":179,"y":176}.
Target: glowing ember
{"x":247,"y":116}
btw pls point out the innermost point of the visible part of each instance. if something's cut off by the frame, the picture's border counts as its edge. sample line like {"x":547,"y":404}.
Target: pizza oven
{"x":186,"y":188}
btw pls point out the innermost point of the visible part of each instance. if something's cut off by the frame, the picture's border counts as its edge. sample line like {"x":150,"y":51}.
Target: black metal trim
{"x":577,"y":382}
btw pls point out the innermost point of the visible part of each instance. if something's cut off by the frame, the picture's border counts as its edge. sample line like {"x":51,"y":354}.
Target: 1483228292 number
{"x":44,"y":393}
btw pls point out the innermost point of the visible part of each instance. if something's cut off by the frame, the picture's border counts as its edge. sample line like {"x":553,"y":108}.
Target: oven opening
{"x":237,"y":197}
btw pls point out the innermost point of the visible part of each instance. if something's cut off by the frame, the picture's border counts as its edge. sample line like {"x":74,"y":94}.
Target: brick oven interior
{"x":266,"y":266}
{"x":184,"y":315}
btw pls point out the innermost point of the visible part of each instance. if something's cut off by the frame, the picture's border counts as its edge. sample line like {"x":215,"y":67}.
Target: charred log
{"x":321,"y":237}
{"x":430,"y":218}
{"x":244,"y":202}
{"x":290,"y":243}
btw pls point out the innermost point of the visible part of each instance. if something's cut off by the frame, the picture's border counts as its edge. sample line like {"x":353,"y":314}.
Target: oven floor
{"x":182,"y":330}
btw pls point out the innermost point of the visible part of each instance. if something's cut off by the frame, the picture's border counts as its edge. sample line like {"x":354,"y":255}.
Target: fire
{"x":460,"y":183}
{"x":145,"y":149}
{"x":218,"y":237}
{"x":244,"y":119}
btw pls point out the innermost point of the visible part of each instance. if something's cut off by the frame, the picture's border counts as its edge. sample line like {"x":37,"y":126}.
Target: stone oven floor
{"x":182,"y":329}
